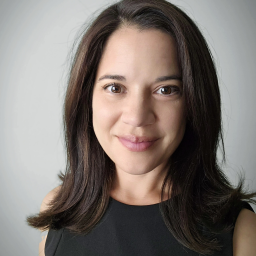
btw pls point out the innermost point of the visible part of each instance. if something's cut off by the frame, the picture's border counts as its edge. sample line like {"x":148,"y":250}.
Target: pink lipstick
{"x":137,"y":144}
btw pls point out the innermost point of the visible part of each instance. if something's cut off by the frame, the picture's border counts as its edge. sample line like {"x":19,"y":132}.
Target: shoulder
{"x":44,"y":207}
{"x":245,"y":234}
{"x":48,"y":198}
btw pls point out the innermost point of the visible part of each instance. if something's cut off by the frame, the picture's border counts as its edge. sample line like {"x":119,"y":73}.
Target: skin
{"x":44,"y":206}
{"x":138,"y":105}
{"x":140,"y":109}
{"x":244,"y":238}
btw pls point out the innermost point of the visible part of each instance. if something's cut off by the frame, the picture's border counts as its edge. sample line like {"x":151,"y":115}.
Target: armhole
{"x":44,"y":234}
{"x":239,"y":207}
{"x":52,"y":241}
{"x":246,"y":205}
{"x":243,"y":205}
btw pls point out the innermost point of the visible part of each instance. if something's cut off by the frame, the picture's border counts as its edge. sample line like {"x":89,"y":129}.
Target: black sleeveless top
{"x":126,"y":230}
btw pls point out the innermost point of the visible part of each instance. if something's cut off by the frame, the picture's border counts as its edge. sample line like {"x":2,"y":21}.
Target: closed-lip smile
{"x":137,"y":139}
{"x":135,"y":143}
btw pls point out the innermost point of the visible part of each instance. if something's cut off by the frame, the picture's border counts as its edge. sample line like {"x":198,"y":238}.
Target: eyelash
{"x":176,"y":88}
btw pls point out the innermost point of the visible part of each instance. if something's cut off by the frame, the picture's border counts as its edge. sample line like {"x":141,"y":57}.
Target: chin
{"x":137,"y":172}
{"x":135,"y":169}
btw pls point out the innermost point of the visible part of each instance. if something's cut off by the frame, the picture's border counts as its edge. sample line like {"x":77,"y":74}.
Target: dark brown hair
{"x":201,"y":194}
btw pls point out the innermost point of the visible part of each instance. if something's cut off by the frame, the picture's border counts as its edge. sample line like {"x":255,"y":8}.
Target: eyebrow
{"x":159,"y":79}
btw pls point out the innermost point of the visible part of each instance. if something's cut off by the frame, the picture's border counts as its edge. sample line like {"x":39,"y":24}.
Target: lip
{"x":138,"y":144}
{"x":137,"y":139}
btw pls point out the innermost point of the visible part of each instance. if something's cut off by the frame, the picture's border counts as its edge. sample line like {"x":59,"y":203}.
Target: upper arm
{"x":44,"y":206}
{"x":41,"y":246}
{"x":48,"y":198}
{"x":244,"y":238}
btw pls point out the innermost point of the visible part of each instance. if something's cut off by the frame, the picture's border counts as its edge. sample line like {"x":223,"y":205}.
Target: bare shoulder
{"x":42,"y":246}
{"x":244,"y":238}
{"x":48,"y":198}
{"x":43,"y":207}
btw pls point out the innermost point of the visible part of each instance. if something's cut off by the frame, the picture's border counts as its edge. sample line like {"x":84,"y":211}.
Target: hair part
{"x":201,"y":194}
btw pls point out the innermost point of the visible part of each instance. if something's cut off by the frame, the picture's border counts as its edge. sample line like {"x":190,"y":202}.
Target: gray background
{"x":35,"y":38}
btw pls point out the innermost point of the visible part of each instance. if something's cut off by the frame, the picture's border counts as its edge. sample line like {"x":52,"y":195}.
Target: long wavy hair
{"x":201,"y":194}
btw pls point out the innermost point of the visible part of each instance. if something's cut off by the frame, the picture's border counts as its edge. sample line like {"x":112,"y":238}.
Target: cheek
{"x":174,"y":125}
{"x":174,"y":118}
{"x":103,"y":115}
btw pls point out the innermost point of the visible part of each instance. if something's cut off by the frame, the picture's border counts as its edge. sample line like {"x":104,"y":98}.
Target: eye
{"x":165,"y":90}
{"x":113,"y":88}
{"x":169,"y":90}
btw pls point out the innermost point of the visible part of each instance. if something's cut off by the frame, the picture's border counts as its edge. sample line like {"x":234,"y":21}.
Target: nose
{"x":138,"y":111}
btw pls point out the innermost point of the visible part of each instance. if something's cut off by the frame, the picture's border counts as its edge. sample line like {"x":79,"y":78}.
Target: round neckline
{"x":134,"y":205}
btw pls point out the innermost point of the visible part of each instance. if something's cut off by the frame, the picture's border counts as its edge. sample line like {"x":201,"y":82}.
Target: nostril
{"x":138,"y":120}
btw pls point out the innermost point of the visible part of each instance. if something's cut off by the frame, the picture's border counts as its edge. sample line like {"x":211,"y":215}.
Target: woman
{"x":142,"y":122}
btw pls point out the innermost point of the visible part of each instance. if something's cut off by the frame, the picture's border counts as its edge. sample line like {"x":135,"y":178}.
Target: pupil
{"x":114,"y":88}
{"x":166,"y":90}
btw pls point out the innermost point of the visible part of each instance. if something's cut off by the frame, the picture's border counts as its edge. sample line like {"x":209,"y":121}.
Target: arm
{"x":42,"y":245}
{"x":244,"y":238}
{"x":43,"y":207}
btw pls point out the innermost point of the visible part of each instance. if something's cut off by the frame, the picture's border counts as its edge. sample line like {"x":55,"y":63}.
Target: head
{"x":168,"y":44}
{"x":138,"y":92}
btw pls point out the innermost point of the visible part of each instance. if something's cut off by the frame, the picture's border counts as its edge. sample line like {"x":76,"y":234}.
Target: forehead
{"x":138,"y":51}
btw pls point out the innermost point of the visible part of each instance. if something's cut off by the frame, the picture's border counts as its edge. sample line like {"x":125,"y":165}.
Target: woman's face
{"x":138,"y":92}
